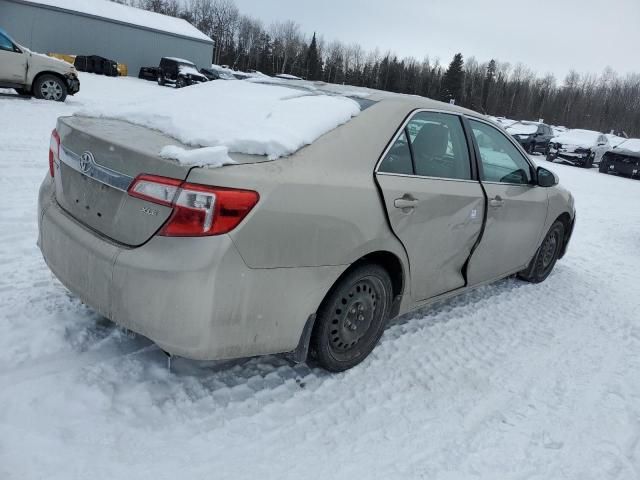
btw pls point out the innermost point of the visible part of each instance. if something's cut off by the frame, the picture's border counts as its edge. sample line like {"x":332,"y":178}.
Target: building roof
{"x":126,"y":14}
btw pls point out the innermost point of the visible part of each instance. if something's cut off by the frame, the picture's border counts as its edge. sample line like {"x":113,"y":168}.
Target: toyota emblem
{"x":86,"y":161}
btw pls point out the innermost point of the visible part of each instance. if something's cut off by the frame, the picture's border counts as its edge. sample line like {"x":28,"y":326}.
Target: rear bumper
{"x":194,"y":297}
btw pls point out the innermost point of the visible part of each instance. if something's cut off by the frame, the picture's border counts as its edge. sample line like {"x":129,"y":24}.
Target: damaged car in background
{"x":623,"y":159}
{"x":582,"y":148}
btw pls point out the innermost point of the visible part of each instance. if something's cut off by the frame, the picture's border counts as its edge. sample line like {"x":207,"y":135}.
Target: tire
{"x":351,"y":318}
{"x":550,"y":157}
{"x":588,"y":163}
{"x":603,"y":167}
{"x":160,"y":81}
{"x":546,"y":256}
{"x":50,"y":87}
{"x":181,"y":83}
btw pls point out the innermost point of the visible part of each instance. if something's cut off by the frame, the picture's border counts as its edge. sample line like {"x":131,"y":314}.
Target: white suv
{"x":31,"y":73}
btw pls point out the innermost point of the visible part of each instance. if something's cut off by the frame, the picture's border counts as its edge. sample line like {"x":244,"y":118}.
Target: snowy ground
{"x":512,"y":381}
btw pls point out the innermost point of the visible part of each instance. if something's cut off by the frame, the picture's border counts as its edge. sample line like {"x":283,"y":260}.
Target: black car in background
{"x":179,"y":72}
{"x":623,"y":159}
{"x":533,"y":136}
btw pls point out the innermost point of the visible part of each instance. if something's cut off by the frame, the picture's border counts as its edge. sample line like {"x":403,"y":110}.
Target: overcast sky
{"x":549,"y":36}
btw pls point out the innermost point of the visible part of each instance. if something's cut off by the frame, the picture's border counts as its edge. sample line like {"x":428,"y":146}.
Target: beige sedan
{"x":410,"y":202}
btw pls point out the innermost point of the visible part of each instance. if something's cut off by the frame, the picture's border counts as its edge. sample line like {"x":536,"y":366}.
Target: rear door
{"x":433,"y":200}
{"x":517,"y":208}
{"x":13,"y":62}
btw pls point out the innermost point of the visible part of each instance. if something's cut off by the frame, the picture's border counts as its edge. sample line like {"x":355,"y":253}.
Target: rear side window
{"x":501,"y":160}
{"x":431,"y":145}
{"x":5,"y":43}
{"x":398,"y":159}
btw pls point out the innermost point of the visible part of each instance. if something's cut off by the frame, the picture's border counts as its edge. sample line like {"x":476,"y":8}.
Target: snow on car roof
{"x":249,"y":118}
{"x":522,"y":128}
{"x":179,"y":60}
{"x":127,"y":14}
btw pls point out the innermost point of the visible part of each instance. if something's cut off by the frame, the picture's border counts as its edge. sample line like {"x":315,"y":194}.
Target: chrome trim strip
{"x":100,"y":173}
{"x":445,"y":179}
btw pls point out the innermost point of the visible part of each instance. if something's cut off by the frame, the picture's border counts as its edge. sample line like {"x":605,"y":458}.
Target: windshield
{"x":522,"y":128}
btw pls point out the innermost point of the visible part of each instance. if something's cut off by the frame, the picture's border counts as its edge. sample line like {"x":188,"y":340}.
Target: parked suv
{"x":179,"y":72}
{"x":31,"y":73}
{"x":533,"y":136}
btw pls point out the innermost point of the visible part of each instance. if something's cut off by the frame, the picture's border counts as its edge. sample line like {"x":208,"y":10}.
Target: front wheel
{"x":547,"y":255}
{"x":351,"y":318}
{"x":181,"y":83}
{"x":603,"y":167}
{"x":50,"y":87}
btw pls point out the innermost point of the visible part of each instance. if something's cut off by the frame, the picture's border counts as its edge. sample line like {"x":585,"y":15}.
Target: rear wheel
{"x":181,"y":83}
{"x":160,"y":80}
{"x":50,"y":87}
{"x":547,"y":255}
{"x":351,"y":318}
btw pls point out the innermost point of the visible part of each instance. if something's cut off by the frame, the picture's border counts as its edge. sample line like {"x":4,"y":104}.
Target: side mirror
{"x":546,"y":178}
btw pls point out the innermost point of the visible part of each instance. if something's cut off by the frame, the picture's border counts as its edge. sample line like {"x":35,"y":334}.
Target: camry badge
{"x":86,"y":161}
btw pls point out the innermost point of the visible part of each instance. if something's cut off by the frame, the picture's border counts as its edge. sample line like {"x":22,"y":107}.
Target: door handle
{"x":496,"y":202}
{"x":405,"y":202}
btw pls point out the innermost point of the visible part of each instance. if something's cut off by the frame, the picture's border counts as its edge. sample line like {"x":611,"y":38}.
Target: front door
{"x":516,"y":211}
{"x":434,"y":205}
{"x":13,"y":63}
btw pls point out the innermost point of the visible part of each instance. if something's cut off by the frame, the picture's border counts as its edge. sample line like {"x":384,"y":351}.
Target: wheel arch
{"x":568,"y":223}
{"x":397,"y":273}
{"x":47,"y":72}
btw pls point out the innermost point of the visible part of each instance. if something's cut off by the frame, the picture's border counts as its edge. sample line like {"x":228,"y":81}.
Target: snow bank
{"x":207,"y":156}
{"x":126,"y":14}
{"x":243,"y":117}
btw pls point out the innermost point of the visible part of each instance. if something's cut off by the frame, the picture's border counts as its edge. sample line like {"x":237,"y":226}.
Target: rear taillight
{"x":198,"y":210}
{"x":54,"y":151}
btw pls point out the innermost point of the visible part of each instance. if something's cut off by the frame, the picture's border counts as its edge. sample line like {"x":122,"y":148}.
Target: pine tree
{"x":488,"y":81}
{"x":453,"y":79}
{"x":314,"y":64}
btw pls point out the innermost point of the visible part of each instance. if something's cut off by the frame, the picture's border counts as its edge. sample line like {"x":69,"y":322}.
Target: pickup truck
{"x":31,"y":73}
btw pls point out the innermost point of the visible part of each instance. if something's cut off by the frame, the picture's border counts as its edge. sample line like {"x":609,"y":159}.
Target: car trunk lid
{"x":99,"y":158}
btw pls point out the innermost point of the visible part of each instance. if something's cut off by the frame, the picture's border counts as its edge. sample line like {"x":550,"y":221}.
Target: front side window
{"x":501,"y":160}
{"x":5,"y":43}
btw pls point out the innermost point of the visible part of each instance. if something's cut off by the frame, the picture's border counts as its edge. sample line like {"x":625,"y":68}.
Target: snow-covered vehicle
{"x":582,"y":148}
{"x":533,"y":136}
{"x":303,"y":221}
{"x":623,"y":159}
{"x":214,"y":73}
{"x":31,"y":73}
{"x":179,"y":73}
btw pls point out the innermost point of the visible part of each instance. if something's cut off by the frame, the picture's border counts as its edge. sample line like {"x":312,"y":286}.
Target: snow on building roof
{"x":126,"y":14}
